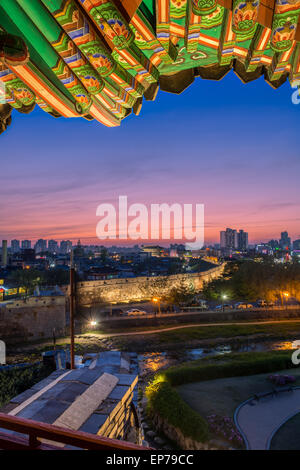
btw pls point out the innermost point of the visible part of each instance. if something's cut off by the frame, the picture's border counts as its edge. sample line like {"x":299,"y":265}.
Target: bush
{"x":166,"y":402}
{"x":230,"y":365}
{"x":17,"y":380}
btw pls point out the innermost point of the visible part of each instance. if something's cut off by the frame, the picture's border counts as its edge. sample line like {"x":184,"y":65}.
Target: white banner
{"x":2,"y":352}
{"x":2,"y":93}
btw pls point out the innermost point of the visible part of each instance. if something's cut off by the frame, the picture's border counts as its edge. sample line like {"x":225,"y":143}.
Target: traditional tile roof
{"x":97,"y":59}
{"x":97,"y":398}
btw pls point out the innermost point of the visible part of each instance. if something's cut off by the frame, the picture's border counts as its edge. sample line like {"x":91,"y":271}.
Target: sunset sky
{"x":233,"y":147}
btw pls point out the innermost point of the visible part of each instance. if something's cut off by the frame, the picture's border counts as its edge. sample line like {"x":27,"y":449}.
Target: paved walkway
{"x":150,"y":331}
{"x":190,"y":325}
{"x":261,"y":419}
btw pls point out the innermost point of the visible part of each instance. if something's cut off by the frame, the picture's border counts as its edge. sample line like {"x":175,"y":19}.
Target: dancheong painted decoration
{"x":97,"y":59}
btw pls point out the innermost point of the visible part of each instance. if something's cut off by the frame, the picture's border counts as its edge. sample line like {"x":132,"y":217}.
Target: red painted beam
{"x":83,"y":440}
{"x":10,"y":442}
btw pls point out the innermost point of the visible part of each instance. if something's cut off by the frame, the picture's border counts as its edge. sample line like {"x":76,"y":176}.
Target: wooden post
{"x":72,"y":310}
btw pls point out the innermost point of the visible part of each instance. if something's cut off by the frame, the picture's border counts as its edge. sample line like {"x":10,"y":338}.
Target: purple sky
{"x":231,"y":146}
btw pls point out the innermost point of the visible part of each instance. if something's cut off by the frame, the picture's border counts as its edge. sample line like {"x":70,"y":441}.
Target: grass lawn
{"x":288,"y":436}
{"x":222,"y":396}
{"x":227,"y":331}
{"x":189,"y":337}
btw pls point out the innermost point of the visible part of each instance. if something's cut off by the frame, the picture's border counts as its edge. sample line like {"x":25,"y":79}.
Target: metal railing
{"x":36,"y":433}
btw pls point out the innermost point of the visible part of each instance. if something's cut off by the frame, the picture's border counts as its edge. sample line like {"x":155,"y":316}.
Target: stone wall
{"x":32,"y":318}
{"x":183,"y":442}
{"x":139,"y":288}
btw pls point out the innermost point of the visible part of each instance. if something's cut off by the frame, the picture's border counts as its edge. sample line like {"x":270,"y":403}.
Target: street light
{"x":286,"y":295}
{"x":156,"y":300}
{"x":224,"y":296}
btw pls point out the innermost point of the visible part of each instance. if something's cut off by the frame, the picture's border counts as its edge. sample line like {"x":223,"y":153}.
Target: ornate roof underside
{"x":97,"y":58}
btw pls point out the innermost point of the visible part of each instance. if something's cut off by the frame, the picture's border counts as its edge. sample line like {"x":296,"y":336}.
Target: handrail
{"x":37,"y":430}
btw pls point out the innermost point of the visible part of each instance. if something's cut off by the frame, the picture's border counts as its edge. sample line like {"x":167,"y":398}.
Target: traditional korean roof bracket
{"x":97,"y":59}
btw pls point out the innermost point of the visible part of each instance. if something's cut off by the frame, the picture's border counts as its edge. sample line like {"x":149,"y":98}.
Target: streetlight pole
{"x":223,"y":298}
{"x":286,"y":295}
{"x":156,"y":300}
{"x":72,"y":311}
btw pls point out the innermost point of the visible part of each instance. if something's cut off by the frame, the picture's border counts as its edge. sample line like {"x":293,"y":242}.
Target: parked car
{"x":136,"y":311}
{"x":238,"y":304}
{"x":203,"y":305}
{"x":243,"y":305}
{"x":225,"y":307}
{"x":262,"y":303}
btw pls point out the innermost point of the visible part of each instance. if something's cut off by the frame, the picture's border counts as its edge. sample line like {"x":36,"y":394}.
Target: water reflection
{"x":154,"y":361}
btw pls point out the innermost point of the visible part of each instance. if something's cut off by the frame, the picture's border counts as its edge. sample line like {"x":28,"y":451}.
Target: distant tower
{"x":4,"y":253}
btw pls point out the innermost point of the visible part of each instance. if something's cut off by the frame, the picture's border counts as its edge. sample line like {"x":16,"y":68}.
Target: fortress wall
{"x":139,"y":288}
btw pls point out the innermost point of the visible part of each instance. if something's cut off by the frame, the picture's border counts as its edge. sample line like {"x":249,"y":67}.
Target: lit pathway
{"x":190,"y":325}
{"x":150,"y":331}
{"x":260,"y":421}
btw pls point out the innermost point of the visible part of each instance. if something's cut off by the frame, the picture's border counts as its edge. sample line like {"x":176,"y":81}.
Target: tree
{"x":181,"y":294}
{"x":103,"y":255}
{"x":27,"y":278}
{"x":250,"y":280}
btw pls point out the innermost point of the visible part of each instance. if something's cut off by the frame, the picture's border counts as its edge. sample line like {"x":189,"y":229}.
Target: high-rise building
{"x":40,"y":246}
{"x":26,"y":244}
{"x":242,"y":240}
{"x":53,"y":246}
{"x":229,"y":239}
{"x":285,"y":241}
{"x":4,"y":253}
{"x":65,"y":246}
{"x":15,"y":246}
{"x":274,"y":244}
{"x":296,"y":244}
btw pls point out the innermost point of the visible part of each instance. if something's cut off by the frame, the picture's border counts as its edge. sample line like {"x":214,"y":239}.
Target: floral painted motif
{"x":244,"y":16}
{"x":118,"y":33}
{"x":283,"y":36}
{"x":213,"y":19}
{"x":92,"y":84}
{"x":83,"y":99}
{"x":101,"y":62}
{"x":99,"y":58}
{"x":112,"y":24}
{"x":203,"y":7}
{"x":24,"y":95}
{"x":285,"y":19}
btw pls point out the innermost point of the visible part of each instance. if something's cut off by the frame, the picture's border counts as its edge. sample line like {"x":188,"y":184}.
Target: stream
{"x":154,"y":361}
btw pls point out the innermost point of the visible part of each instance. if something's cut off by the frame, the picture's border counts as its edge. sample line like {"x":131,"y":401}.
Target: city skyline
{"x":31,"y":242}
{"x":165,"y":155}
